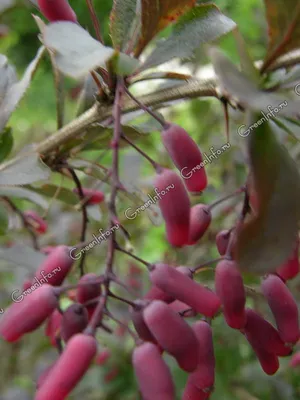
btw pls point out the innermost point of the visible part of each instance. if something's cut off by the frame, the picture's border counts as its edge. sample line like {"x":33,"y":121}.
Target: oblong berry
{"x":284,"y":308}
{"x":94,"y":196}
{"x":174,"y":204}
{"x":186,"y":155}
{"x":230,"y":290}
{"x":57,"y":10}
{"x":69,"y":368}
{"x":27,"y":315}
{"x":200,"y":219}
{"x":268,"y":361}
{"x":291,"y":267}
{"x":183,"y":288}
{"x":87,"y":291}
{"x":173,"y":334}
{"x":222,"y":240}
{"x":263,"y":335}
{"x":52,"y":329}
{"x":191,"y":392}
{"x":74,"y":320}
{"x":36,"y":221}
{"x":204,"y":375}
{"x":152,"y":373}
{"x":139,"y":323}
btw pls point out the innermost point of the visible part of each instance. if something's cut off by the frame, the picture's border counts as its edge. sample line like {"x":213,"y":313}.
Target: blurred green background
{"x":238,"y":374}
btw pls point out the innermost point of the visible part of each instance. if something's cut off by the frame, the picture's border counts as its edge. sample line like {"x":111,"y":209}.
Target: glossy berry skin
{"x":152,"y":373}
{"x":55,"y":267}
{"x":27,"y":315}
{"x":191,"y":392}
{"x":88,"y":292}
{"x":261,"y":334}
{"x":222,"y":240}
{"x":94,"y":196}
{"x":203,"y":377}
{"x":52,"y":329}
{"x":291,"y":267}
{"x":37,"y":222}
{"x":154,"y":293}
{"x":57,"y":10}
{"x":183,"y":288}
{"x":268,"y":361}
{"x":173,"y":334}
{"x":186,"y":156}
{"x":69,"y":368}
{"x":174,"y":204}
{"x":200,"y":219}
{"x":74,"y":320}
{"x":284,"y":308}
{"x":139,"y":322}
{"x":230,"y":290}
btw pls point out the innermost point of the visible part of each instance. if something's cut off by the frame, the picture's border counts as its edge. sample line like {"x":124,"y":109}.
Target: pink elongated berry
{"x":174,"y":204}
{"x":57,"y":10}
{"x":139,"y":322}
{"x":268,"y":361}
{"x":261,"y":334}
{"x":87,"y":291}
{"x":26,"y":284}
{"x":183,"y":288}
{"x":283,"y":307}
{"x":173,"y":334}
{"x":55,"y":267}
{"x":93,"y":196}
{"x":180,"y":307}
{"x":74,"y":320}
{"x":28,"y":314}
{"x":154,"y":293}
{"x":222,"y":240}
{"x":69,"y":368}
{"x":36,"y":221}
{"x":186,"y":155}
{"x":191,"y":392}
{"x":291,"y":267}
{"x":204,"y":375}
{"x":295,"y":360}
{"x":200,"y":219}
{"x":153,"y":375}
{"x":52,"y":329}
{"x":230,"y":290}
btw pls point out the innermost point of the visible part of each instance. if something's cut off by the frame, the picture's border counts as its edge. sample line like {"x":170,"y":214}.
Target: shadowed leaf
{"x":121,"y":19}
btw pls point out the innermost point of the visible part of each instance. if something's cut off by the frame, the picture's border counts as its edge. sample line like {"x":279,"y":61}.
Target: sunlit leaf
{"x":200,"y":25}
{"x":23,"y":193}
{"x":6,"y":143}
{"x":268,"y":238}
{"x":16,"y":91}
{"x":76,"y":52}
{"x":157,"y":15}
{"x":248,"y":94}
{"x":283,"y":18}
{"x":121,"y":19}
{"x":25,"y":169}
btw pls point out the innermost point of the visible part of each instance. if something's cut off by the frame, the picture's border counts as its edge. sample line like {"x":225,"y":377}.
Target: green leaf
{"x":268,"y":238}
{"x":6,"y":143}
{"x":200,"y":25}
{"x":290,"y":126}
{"x":247,"y":93}
{"x":157,"y":15}
{"x":3,"y":219}
{"x":283,"y":18}
{"x":123,"y":64}
{"x":23,"y":193}
{"x":28,"y":168}
{"x":63,"y":194}
{"x":16,"y":91}
{"x":76,"y":52}
{"x":121,"y":18}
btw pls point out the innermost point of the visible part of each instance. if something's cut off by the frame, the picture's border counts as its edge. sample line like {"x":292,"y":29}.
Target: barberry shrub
{"x":157,"y":262}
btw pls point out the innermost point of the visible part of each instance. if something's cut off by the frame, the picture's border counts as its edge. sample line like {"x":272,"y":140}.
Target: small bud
{"x":94,"y":196}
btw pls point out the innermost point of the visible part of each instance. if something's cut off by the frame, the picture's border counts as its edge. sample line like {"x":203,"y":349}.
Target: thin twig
{"x":95,"y":20}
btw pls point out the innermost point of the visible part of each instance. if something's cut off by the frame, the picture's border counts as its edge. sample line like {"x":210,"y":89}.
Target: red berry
{"x":157,"y":294}
{"x":204,"y":375}
{"x":283,"y":307}
{"x":192,"y":393}
{"x":94,"y":196}
{"x":57,"y":10}
{"x":69,"y":368}
{"x":178,"y":306}
{"x":52,"y":329}
{"x":174,"y":204}
{"x":261,"y":334}
{"x":291,"y":267}
{"x":183,"y":288}
{"x":173,"y":334}
{"x":295,"y":360}
{"x":186,"y":156}
{"x":88,"y":291}
{"x":153,"y":375}
{"x":230,"y":289}
{"x":55,"y":267}
{"x":268,"y":361}
{"x":222,"y":240}
{"x":139,"y":323}
{"x":74,"y":320}
{"x":28,"y":314}
{"x":200,"y":219}
{"x":34,"y":220}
